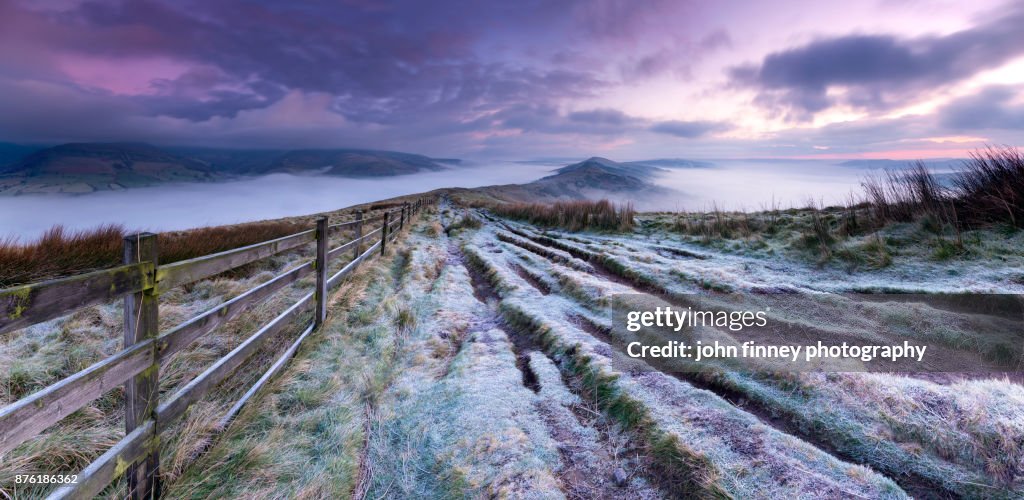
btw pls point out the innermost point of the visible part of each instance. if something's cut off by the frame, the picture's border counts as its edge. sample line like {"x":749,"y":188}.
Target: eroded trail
{"x":698,"y":442}
{"x":597,"y":459}
{"x":610,"y":282}
{"x":823,"y":411}
{"x":602,"y":331}
{"x":477,"y":361}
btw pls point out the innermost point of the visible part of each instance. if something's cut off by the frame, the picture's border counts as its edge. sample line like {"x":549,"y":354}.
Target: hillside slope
{"x":87,"y":167}
{"x":477,"y":359}
{"x":593,"y":178}
{"x":484,"y":365}
{"x":350,"y":163}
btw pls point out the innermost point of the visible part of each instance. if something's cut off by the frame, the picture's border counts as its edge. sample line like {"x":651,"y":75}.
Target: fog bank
{"x":753,"y":185}
{"x":729,"y":185}
{"x":171,"y":207}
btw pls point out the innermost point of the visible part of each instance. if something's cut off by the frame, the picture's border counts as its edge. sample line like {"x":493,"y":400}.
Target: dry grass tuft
{"x":577,"y":215}
{"x":60,"y":252}
{"x":991,"y":187}
{"x":988,"y":189}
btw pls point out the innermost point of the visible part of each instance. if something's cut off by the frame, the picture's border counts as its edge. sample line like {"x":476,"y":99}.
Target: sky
{"x":623,"y":79}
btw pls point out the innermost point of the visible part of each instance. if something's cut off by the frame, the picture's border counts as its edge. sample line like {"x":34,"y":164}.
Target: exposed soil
{"x":598,"y":469}
{"x":916,"y":486}
{"x":532,"y":280}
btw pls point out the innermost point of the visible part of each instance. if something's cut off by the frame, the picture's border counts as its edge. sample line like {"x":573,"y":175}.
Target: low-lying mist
{"x":171,"y":207}
{"x":729,"y":185}
{"x":751,"y":185}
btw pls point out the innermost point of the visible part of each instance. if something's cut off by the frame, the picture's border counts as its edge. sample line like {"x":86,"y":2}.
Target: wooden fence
{"x":140,"y":281}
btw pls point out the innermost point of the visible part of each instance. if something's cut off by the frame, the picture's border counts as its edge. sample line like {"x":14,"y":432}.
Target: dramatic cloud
{"x":378,"y":64}
{"x":601,"y":116}
{"x":877,"y":71}
{"x":529,"y":78}
{"x":992,"y":108}
{"x":688,"y":130}
{"x":547,"y":119}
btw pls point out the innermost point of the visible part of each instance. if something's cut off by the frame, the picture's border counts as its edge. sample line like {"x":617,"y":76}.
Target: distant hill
{"x":88,"y":167}
{"x":231,"y":161}
{"x":13,"y":153}
{"x":352,"y":163}
{"x":592,"y":178}
{"x":599,"y":173}
{"x":674,"y":163}
{"x":899,"y":164}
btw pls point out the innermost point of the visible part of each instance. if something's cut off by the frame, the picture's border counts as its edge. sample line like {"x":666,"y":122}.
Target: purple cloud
{"x":689,"y":129}
{"x":991,"y":108}
{"x":603,"y":116}
{"x":448,"y":76}
{"x":877,"y":71}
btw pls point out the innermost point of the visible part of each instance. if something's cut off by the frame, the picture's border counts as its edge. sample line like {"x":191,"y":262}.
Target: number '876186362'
{"x":44,"y":479}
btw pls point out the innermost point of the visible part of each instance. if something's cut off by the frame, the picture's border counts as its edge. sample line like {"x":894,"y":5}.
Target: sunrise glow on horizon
{"x":898,"y":79}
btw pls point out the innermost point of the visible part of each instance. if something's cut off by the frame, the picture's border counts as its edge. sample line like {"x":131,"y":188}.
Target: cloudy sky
{"x":520,"y":79}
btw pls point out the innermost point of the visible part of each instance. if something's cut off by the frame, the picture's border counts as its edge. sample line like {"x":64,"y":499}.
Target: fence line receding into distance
{"x":137,"y":366}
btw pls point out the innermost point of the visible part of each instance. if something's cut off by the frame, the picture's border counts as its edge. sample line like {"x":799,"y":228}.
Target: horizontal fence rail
{"x":29,"y":416}
{"x":140,"y":282}
{"x":183,"y":334}
{"x":188,"y":271}
{"x":180,"y":401}
{"x":27,"y":305}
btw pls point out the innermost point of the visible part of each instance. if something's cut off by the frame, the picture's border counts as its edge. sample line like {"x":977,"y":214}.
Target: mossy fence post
{"x":321,"y":272}
{"x":358,"y":235}
{"x":384,"y":233}
{"x":141,"y":393}
{"x":138,"y":283}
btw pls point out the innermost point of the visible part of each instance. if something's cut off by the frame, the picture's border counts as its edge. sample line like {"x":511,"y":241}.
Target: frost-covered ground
{"x":477,"y":361}
{"x":745,"y":265}
{"x":963,"y":437}
{"x":43,"y":354}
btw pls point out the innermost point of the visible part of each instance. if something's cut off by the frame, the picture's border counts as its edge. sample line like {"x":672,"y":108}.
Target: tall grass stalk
{"x":60,"y":252}
{"x":572,"y":215}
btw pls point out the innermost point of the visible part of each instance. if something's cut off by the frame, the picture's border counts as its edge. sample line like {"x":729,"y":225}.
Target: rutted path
{"x":710,"y":381}
{"x":522,"y":346}
{"x":597,"y":459}
{"x":477,"y":361}
{"x":700,"y":442}
{"x":603,"y":332}
{"x":936,"y":477}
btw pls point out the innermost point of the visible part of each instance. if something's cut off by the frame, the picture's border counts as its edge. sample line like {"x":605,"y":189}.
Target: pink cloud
{"x":132,"y":76}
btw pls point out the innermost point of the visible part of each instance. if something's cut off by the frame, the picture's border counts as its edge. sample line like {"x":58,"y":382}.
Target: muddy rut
{"x":917,"y":486}
{"x":597,"y":461}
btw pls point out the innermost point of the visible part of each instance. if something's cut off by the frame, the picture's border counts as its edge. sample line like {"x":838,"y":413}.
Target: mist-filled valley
{"x":169,"y":207}
{"x":725,"y":184}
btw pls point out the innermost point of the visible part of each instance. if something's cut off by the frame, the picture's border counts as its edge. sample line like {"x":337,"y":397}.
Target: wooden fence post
{"x":141,"y":317}
{"x":384,"y":233}
{"x":321,"y":273}
{"x":401,"y":221}
{"x":359,"y":234}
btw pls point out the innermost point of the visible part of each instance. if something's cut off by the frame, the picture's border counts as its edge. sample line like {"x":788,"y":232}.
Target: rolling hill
{"x":939,"y":164}
{"x":89,"y":167}
{"x":595,"y":177}
{"x":350,"y":163}
{"x":13,"y":153}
